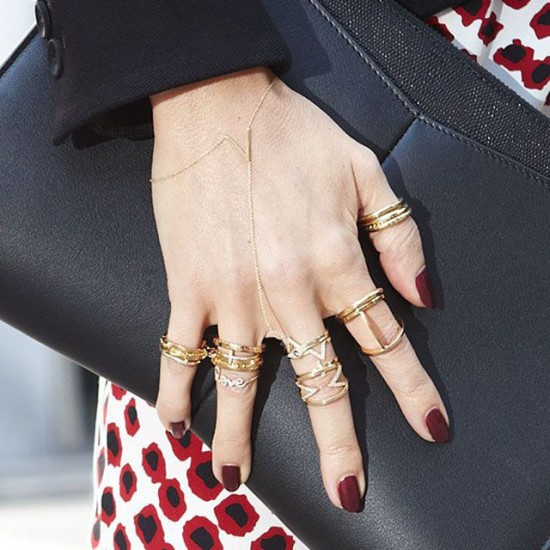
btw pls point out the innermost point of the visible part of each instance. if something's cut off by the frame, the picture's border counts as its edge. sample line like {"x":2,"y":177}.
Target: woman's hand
{"x":311,"y":181}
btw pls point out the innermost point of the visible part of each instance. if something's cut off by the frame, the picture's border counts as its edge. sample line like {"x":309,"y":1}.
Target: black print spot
{"x":127,"y":480}
{"x":204,"y":471}
{"x":277,"y":542}
{"x":173,"y":497}
{"x":112,"y":442}
{"x":514,"y":53}
{"x":153,"y":460}
{"x":108,"y":503}
{"x":120,"y":540}
{"x":202,"y":538}
{"x":237,"y":514}
{"x":148,"y":527}
{"x":132,"y":415}
{"x":541,"y":73}
{"x":472,"y":7}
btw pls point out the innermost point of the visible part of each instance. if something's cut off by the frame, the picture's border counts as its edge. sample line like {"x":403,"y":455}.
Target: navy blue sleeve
{"x":107,"y":57}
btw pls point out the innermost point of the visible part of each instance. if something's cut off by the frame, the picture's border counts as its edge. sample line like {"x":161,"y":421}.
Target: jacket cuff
{"x":111,"y":56}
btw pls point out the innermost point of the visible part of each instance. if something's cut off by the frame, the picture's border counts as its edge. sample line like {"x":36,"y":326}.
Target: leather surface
{"x":81,"y":270}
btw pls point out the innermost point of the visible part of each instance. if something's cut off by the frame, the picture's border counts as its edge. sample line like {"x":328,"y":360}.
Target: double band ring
{"x":357,"y":309}
{"x":188,"y":357}
{"x":386,"y":217}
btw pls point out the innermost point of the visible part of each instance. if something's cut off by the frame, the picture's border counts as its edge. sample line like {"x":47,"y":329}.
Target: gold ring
{"x":188,"y":357}
{"x":296,"y":350}
{"x":238,"y":347}
{"x":338,"y":381}
{"x":386,"y":217}
{"x":386,"y":347}
{"x":355,"y":309}
{"x":236,"y":384}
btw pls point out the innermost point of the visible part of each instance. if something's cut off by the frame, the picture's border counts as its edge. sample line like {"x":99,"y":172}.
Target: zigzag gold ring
{"x":338,"y":382}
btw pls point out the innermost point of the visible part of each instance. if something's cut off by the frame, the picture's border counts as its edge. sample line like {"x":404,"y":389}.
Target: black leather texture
{"x":81,"y":270}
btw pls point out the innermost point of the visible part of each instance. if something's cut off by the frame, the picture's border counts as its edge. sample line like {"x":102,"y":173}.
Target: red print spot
{"x":274,"y":538}
{"x":489,"y":29}
{"x":473,"y":10}
{"x":149,"y":529}
{"x":201,"y":478}
{"x":114,"y":447}
{"x":131,"y":418}
{"x":153,"y":463}
{"x":120,"y":539}
{"x":127,"y":483}
{"x":185,"y":447}
{"x":117,"y":391}
{"x":535,"y":73}
{"x":516,"y":4}
{"x":541,"y":22}
{"x":236,"y":515}
{"x":108,"y":507}
{"x":200,"y":533}
{"x":171,"y":499}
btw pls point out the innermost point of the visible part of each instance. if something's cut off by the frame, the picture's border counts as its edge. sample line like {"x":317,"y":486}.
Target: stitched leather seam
{"x":419,"y":116}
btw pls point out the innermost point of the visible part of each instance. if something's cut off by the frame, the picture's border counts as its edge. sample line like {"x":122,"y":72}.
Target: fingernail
{"x":348,"y":491}
{"x":425,"y":289}
{"x":231,"y":477}
{"x":437,"y":426}
{"x":177,"y":428}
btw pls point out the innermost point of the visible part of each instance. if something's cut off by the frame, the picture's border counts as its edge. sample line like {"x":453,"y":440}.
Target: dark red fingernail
{"x":437,"y":426}
{"x":231,"y":477}
{"x":177,"y":428}
{"x":348,"y":491}
{"x":425,"y":289}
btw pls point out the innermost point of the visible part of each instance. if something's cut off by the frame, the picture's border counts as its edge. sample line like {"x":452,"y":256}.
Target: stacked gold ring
{"x":223,"y":357}
{"x":355,"y":309}
{"x":188,"y":357}
{"x":386,"y":217}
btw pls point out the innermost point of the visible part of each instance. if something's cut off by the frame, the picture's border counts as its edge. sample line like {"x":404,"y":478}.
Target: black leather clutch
{"x":81,"y":271}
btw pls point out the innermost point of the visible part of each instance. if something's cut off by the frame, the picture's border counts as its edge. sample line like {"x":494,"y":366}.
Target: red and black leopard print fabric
{"x":510,"y":38}
{"x":153,"y":492}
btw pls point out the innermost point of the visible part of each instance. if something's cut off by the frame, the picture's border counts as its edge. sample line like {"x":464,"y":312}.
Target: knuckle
{"x":235,"y":441}
{"x":340,"y":449}
{"x":235,"y":277}
{"x":340,"y":253}
{"x":171,"y":410}
{"x":285,"y":269}
{"x":415,"y":387}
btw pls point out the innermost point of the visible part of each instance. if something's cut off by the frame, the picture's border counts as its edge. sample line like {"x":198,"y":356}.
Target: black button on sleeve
{"x":55,"y":57}
{"x":43,"y":20}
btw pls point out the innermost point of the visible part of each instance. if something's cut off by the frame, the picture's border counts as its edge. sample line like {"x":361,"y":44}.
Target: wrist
{"x":217,"y":101}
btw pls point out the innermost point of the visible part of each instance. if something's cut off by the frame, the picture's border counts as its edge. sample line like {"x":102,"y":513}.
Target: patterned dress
{"x":154,"y":492}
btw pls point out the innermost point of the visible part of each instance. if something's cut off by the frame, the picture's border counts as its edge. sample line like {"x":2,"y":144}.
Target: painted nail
{"x":177,"y":429}
{"x":348,"y":491}
{"x":231,"y":477}
{"x":425,"y":289}
{"x":437,"y":426}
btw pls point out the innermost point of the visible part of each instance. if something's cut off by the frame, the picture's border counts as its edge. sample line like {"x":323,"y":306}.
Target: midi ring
{"x":237,"y":384}
{"x":238,"y":347}
{"x":386,"y":217}
{"x":364,"y":303}
{"x":188,"y":357}
{"x":297,"y":351}
{"x":321,"y":370}
{"x":386,"y":347}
